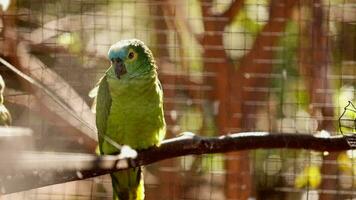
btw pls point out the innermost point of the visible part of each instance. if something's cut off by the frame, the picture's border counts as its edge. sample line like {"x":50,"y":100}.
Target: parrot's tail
{"x":128,"y":184}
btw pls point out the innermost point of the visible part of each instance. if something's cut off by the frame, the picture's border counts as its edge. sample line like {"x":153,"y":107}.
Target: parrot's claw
{"x":127,"y":152}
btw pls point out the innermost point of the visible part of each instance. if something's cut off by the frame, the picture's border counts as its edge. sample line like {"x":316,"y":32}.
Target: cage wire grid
{"x":210,"y":68}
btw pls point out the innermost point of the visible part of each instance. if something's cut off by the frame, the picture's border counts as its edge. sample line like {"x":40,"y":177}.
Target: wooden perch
{"x":29,"y":170}
{"x":12,"y":131}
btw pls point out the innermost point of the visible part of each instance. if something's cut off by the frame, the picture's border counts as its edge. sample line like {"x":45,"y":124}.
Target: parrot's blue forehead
{"x":121,"y":48}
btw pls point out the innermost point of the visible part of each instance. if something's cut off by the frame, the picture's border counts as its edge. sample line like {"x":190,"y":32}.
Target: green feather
{"x":129,"y":110}
{"x":102,"y":109}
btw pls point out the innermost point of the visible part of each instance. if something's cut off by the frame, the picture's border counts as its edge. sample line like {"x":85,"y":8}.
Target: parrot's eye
{"x":131,"y":55}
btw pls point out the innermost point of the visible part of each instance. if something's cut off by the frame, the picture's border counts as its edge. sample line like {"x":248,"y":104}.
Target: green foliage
{"x":203,"y":164}
{"x":287,"y":51}
{"x":240,"y":34}
{"x":267,"y":164}
{"x":347,"y":168}
{"x":213,"y":162}
{"x":191,"y":120}
{"x":287,"y":66}
{"x":249,"y":25}
{"x":71,"y":41}
{"x":60,"y":8}
{"x":344,"y":162}
{"x":309,"y":177}
{"x":270,"y":164}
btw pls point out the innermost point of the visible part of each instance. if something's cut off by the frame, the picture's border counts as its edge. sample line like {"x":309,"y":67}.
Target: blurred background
{"x":226,"y":66}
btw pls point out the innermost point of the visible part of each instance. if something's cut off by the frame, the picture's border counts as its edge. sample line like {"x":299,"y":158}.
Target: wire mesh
{"x":225,"y":66}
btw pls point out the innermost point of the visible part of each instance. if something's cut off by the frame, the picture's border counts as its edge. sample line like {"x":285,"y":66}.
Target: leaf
{"x":309,"y":177}
{"x":347,"y":120}
{"x":344,"y":162}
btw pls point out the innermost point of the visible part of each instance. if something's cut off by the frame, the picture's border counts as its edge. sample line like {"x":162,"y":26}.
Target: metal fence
{"x":226,"y":66}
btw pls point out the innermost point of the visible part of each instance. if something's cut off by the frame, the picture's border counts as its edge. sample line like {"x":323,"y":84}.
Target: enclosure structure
{"x":226,"y":66}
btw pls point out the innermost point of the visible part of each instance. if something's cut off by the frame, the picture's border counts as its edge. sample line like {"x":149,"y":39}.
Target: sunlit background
{"x":226,"y":66}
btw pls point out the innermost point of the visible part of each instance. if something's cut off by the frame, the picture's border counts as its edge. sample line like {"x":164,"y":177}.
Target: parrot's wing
{"x":160,"y":86}
{"x":93,"y":93}
{"x":102,"y":108}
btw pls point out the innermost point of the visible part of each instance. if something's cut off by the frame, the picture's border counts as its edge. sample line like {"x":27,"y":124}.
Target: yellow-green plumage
{"x":5,"y":117}
{"x":129,"y":110}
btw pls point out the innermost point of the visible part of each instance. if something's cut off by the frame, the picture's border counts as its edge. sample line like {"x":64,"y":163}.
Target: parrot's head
{"x":131,"y":58}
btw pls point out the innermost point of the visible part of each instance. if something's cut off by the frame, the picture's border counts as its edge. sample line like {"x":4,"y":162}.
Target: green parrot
{"x":5,"y":117}
{"x":129,"y":110}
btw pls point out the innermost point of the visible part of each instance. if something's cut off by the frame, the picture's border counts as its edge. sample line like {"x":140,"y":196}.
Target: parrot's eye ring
{"x":131,"y":55}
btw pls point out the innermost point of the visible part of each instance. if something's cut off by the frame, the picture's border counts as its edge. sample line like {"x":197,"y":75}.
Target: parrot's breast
{"x":136,"y":114}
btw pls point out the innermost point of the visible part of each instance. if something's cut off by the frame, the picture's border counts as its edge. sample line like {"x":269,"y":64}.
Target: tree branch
{"x":28,"y":170}
{"x":73,"y":112}
{"x":232,"y":11}
{"x":43,"y":48}
{"x":61,"y":103}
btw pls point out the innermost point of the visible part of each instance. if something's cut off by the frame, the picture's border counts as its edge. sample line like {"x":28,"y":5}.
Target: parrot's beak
{"x":120,"y":68}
